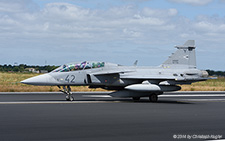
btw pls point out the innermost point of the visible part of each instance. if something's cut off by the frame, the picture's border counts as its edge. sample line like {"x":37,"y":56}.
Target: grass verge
{"x":10,"y":82}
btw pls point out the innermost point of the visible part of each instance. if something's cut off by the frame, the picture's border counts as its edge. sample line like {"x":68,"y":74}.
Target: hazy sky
{"x":55,"y":32}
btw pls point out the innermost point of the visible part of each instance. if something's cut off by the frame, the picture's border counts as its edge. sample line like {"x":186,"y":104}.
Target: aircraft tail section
{"x":185,"y":55}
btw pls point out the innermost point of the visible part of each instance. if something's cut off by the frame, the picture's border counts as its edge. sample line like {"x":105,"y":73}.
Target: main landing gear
{"x":67,"y":90}
{"x":152,"y":98}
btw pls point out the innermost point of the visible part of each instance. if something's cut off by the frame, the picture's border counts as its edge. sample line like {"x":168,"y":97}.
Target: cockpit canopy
{"x":79,"y":66}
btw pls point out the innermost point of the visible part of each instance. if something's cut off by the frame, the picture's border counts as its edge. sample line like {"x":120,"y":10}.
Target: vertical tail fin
{"x":185,"y":55}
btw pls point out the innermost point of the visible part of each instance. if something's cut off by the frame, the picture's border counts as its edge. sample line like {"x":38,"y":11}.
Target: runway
{"x":97,"y":116}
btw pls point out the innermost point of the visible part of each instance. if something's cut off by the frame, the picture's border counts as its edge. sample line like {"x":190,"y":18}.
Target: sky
{"x":55,"y":32}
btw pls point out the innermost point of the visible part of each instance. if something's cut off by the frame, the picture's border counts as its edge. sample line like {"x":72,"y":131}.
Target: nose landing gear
{"x":67,"y":90}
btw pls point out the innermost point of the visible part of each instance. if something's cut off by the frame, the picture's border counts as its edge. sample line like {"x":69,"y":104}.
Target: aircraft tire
{"x":153,"y":98}
{"x":136,"y":98}
{"x":71,"y":98}
{"x":67,"y":98}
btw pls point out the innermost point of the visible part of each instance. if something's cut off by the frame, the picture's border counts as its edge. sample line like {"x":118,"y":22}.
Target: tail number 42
{"x":70,"y":78}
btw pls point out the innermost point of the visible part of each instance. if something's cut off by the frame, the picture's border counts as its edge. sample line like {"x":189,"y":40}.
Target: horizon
{"x":108,"y":62}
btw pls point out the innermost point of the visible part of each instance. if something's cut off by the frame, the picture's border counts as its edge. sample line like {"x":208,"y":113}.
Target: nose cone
{"x":41,"y":80}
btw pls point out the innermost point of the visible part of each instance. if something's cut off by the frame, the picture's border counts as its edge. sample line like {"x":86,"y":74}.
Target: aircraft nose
{"x":42,"y":80}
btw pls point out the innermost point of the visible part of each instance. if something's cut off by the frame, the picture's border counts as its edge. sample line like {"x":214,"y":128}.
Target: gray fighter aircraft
{"x":127,"y":81}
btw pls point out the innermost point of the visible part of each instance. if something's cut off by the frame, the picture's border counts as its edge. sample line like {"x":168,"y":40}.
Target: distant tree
{"x":216,"y":73}
{"x":1,"y":68}
{"x":211,"y":72}
{"x":15,"y":69}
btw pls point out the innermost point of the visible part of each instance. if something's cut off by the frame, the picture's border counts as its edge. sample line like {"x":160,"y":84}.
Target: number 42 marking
{"x":70,"y":78}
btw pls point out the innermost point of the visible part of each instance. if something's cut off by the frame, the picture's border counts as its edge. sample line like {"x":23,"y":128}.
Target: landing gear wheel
{"x":136,"y":98}
{"x":67,"y":92}
{"x":69,"y":98}
{"x":153,"y":98}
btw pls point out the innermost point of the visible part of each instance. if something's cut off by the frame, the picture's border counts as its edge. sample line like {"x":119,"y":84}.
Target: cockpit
{"x":79,"y":66}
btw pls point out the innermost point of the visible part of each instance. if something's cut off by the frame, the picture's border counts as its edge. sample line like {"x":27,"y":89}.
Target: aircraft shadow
{"x":116,"y":100}
{"x":132,"y":101}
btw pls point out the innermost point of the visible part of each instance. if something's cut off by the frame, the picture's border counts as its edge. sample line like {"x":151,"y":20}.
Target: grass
{"x":10,"y":82}
{"x":209,"y":85}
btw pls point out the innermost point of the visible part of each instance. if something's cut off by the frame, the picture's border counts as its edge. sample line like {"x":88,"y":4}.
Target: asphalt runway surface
{"x":96,"y":116}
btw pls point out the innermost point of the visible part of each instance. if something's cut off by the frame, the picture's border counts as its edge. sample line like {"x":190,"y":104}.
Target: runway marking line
{"x":59,"y":102}
{"x":194,"y":95}
{"x":189,"y":95}
{"x":108,"y":96}
{"x":203,"y":100}
{"x":95,"y":102}
{"x":97,"y":96}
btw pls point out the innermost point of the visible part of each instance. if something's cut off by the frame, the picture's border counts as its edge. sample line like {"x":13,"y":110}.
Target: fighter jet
{"x":127,"y":81}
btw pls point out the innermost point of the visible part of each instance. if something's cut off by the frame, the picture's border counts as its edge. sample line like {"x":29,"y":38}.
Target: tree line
{"x":216,"y":73}
{"x":26,"y":68}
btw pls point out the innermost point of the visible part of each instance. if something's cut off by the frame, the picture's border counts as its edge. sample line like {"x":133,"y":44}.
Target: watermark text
{"x":195,"y":136}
